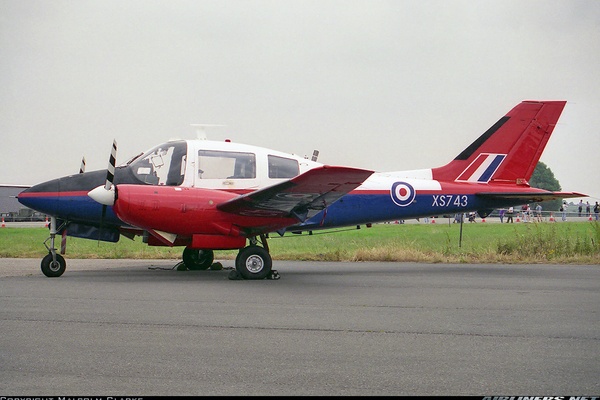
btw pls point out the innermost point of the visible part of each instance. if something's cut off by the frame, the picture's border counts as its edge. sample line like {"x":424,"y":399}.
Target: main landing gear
{"x":252,"y":262}
{"x":197,"y":259}
{"x":53,"y":264}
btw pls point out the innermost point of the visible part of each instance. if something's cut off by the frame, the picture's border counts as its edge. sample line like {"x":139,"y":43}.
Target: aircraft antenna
{"x":201,"y":130}
{"x":315,"y":155}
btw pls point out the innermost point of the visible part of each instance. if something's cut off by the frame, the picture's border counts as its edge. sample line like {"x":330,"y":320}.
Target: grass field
{"x":566,"y":242}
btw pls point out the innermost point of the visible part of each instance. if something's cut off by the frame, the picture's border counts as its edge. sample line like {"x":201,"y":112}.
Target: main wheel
{"x":195,"y":259}
{"x":253,"y":262}
{"x":51,"y":268}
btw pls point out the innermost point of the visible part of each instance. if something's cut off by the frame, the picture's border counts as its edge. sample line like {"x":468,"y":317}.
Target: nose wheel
{"x":53,"y":265}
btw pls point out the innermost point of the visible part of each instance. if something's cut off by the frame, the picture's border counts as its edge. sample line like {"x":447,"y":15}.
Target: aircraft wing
{"x":530,"y":197}
{"x":313,"y":190}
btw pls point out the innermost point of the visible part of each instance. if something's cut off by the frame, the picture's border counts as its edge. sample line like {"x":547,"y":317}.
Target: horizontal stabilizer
{"x":316,"y":189}
{"x":529,"y":197}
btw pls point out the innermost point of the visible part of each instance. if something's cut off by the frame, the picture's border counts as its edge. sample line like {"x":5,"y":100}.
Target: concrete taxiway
{"x":138,"y":327}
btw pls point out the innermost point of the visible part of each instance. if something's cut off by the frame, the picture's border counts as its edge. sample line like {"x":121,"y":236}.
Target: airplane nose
{"x":67,"y":198}
{"x":42,"y":197}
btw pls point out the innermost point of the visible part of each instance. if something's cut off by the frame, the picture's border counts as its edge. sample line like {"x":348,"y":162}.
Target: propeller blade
{"x":110,"y":172}
{"x":82,"y":167}
{"x":105,"y":195}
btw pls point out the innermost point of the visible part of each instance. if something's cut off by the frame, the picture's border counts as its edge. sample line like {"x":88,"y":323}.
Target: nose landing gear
{"x":53,"y":264}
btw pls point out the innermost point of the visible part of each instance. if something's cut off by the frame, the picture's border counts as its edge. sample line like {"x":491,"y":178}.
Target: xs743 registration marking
{"x":447,"y":200}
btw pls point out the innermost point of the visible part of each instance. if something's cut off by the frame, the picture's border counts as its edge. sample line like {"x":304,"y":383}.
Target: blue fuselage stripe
{"x":354,"y":209}
{"x":73,"y":208}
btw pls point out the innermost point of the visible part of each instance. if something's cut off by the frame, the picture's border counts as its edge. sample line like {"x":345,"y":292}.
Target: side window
{"x":280,"y":167}
{"x":214,"y":164}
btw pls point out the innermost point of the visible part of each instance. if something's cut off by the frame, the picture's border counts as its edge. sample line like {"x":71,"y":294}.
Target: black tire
{"x":53,"y":269}
{"x":195,"y":259}
{"x":253,"y":262}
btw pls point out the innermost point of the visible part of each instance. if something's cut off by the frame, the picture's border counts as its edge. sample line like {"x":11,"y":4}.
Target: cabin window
{"x":214,"y":164}
{"x":280,"y":167}
{"x":163,"y":165}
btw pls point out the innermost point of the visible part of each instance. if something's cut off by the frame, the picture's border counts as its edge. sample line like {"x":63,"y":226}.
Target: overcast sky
{"x":384,"y":85}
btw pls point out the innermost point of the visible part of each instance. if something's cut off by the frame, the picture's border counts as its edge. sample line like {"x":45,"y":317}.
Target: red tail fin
{"x":509,"y":151}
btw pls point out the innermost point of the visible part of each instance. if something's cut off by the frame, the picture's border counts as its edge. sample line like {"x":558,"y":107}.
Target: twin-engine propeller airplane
{"x":208,"y":195}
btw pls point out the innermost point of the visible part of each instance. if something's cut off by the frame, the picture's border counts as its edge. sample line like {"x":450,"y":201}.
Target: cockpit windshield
{"x":163,"y":165}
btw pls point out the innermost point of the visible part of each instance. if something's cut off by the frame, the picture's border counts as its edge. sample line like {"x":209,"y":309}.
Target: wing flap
{"x":314,"y":190}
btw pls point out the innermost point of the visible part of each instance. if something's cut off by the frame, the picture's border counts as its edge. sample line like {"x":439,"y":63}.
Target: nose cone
{"x":65,"y":197}
{"x":42,"y":197}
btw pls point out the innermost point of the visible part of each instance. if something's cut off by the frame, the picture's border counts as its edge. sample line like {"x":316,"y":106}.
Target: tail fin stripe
{"x":482,"y":168}
{"x":487,"y":175}
{"x":477,"y":143}
{"x":471,"y":169}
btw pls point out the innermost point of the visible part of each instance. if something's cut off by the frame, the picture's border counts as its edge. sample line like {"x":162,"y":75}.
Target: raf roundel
{"x":402,"y":194}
